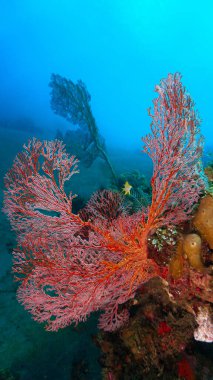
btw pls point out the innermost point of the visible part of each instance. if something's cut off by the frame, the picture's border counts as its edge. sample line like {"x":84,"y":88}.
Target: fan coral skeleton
{"x":69,"y":266}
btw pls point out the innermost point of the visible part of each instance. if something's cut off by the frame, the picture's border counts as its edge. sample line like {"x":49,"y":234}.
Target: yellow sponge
{"x":192,"y":249}
{"x":203,"y":219}
{"x":188,"y":247}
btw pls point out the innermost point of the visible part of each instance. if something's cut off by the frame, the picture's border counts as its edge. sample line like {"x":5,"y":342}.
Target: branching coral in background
{"x":67,"y":273}
{"x":72,"y":101}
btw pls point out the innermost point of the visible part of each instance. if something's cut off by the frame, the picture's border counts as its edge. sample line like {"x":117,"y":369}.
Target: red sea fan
{"x":175,"y":147}
{"x":66,"y":274}
{"x":35,"y":186}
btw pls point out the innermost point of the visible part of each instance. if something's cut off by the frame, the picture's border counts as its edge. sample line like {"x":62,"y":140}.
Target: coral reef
{"x":147,"y":269}
{"x":158,"y":331}
{"x":66,"y":274}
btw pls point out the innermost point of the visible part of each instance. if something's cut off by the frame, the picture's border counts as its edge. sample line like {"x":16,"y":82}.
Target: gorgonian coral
{"x":70,"y":265}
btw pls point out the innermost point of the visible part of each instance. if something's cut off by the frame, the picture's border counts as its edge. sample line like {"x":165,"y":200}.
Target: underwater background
{"x":120,"y":49}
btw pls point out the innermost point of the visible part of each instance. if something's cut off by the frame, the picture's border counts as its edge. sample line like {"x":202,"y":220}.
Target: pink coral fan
{"x":65,"y":274}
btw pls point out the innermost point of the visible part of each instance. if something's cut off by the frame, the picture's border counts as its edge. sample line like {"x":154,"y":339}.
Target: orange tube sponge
{"x":192,"y":249}
{"x":203,"y":219}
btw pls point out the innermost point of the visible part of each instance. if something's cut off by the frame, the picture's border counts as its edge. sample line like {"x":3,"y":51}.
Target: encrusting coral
{"x":157,"y":332}
{"x":69,"y":266}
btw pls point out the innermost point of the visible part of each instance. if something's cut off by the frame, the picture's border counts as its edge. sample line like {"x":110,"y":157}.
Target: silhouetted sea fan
{"x":72,"y":101}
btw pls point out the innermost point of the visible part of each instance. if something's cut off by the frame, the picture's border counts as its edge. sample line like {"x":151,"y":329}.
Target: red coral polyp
{"x":163,"y":328}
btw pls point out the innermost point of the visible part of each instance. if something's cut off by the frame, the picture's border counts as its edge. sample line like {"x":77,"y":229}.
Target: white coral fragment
{"x":204,"y":332}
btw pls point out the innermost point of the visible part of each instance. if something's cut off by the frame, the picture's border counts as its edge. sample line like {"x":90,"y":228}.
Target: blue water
{"x":120,"y":49}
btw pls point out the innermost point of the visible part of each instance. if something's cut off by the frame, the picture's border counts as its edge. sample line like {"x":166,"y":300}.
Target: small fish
{"x":127,"y":188}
